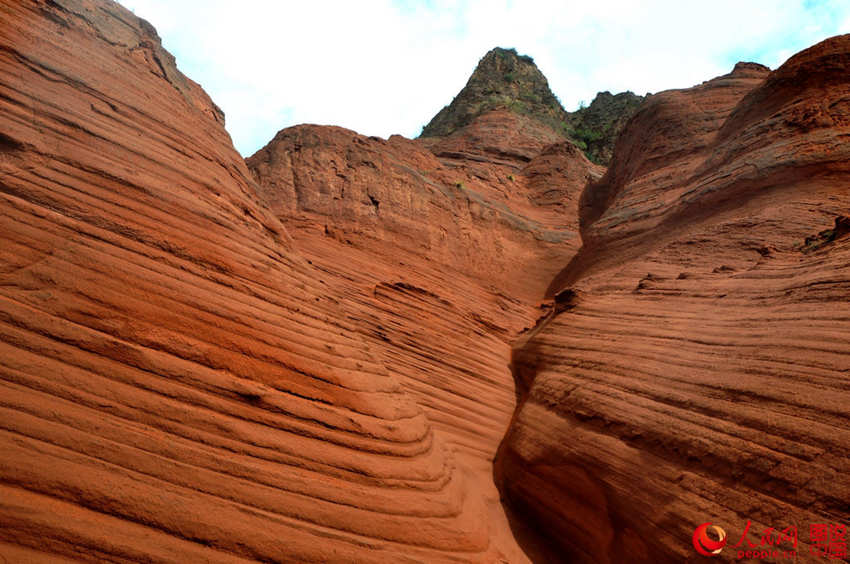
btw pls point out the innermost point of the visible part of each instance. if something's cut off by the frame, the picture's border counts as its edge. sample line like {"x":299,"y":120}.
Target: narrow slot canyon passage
{"x":528,"y":335}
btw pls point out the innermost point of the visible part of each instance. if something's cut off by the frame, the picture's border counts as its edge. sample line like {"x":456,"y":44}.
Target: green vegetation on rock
{"x":595,"y":128}
{"x":504,"y":79}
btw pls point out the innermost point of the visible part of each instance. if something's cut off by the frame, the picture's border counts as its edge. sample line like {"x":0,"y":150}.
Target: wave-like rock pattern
{"x":306,"y":359}
{"x":434,"y":241}
{"x":179,"y":383}
{"x":698,"y":366}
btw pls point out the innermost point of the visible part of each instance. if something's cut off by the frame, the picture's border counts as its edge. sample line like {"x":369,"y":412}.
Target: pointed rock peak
{"x":500,"y":59}
{"x":503,"y":79}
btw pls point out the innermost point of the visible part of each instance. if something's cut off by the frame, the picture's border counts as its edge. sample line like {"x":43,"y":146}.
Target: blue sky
{"x":382,"y":66}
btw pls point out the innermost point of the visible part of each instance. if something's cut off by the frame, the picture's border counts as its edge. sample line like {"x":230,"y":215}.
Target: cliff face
{"x":179,"y":383}
{"x":317,"y":355}
{"x":699,"y":369}
{"x":445,"y":252}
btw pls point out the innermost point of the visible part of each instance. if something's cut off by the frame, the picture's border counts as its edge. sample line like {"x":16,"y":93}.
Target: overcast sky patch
{"x":382,"y":67}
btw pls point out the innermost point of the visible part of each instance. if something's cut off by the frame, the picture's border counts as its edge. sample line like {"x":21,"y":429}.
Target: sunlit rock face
{"x":698,"y":370}
{"x":445,"y":247}
{"x":182,"y":384}
{"x":336,"y":350}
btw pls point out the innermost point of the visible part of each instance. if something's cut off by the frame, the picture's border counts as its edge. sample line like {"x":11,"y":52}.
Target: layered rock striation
{"x":336,"y":350}
{"x":433,"y":240}
{"x":697,"y":370}
{"x":179,"y":383}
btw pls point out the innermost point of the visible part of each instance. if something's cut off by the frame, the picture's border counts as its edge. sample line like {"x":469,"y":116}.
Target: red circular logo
{"x":704,"y":544}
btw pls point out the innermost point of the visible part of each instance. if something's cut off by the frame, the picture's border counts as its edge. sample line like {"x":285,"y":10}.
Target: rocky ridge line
{"x":505,"y":80}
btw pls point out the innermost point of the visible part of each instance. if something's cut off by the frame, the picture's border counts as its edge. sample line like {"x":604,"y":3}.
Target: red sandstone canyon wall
{"x":471,"y":347}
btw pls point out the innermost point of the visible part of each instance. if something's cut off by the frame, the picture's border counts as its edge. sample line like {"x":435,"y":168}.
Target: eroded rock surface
{"x":700,"y":370}
{"x":502,"y":79}
{"x":306,"y":358}
{"x":433,"y":241}
{"x":179,"y":383}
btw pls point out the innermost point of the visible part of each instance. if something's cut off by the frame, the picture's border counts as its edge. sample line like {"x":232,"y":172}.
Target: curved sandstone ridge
{"x":308,"y":357}
{"x":697,"y":369}
{"x":184,"y":381}
{"x":445,"y":253}
{"x":178,"y":382}
{"x":483,"y":203}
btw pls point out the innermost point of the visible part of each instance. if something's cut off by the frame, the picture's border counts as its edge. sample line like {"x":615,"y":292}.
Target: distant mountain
{"x":504,"y":79}
{"x":595,"y":128}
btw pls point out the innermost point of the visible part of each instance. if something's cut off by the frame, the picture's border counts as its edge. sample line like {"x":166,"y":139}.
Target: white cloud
{"x":382,"y":67}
